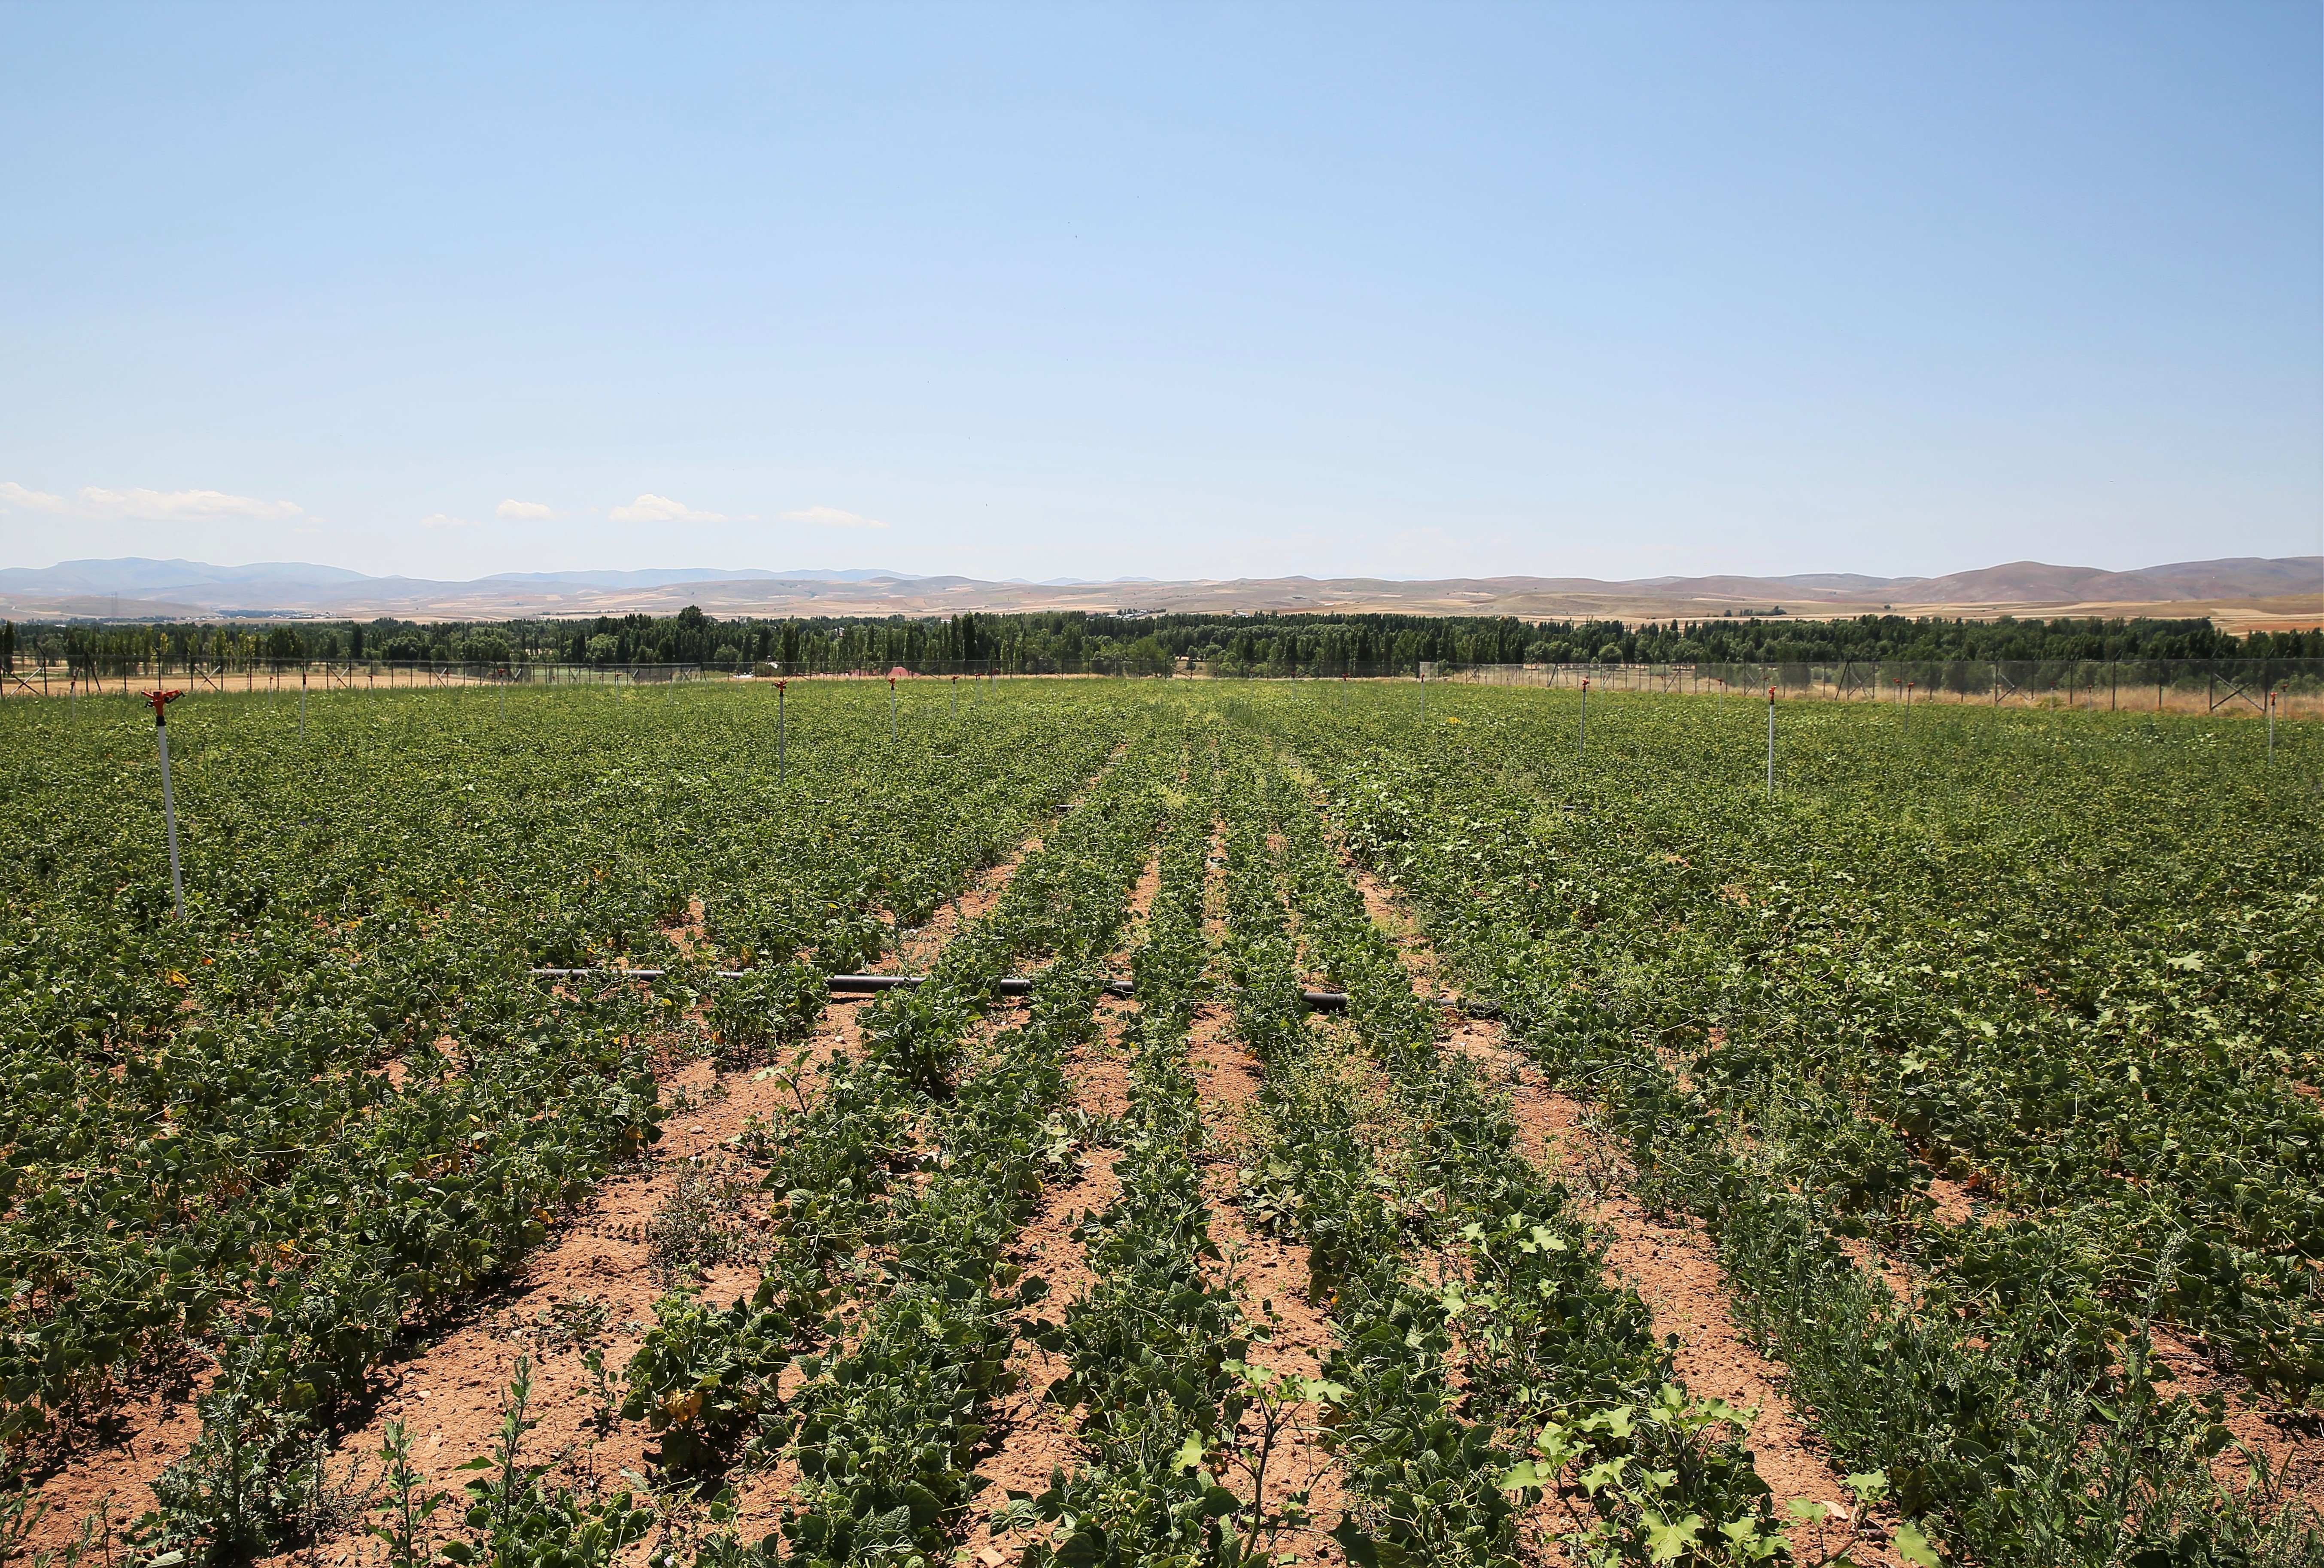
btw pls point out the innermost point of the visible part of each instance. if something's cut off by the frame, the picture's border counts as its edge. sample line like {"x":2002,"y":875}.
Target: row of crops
{"x":2070,"y":969}
{"x":2078,"y":971}
{"x":318,"y":1112}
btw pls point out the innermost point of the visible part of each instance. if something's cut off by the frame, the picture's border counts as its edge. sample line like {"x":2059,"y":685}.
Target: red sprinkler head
{"x":162,"y":699}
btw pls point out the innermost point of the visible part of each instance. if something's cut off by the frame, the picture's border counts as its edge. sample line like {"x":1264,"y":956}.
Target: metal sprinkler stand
{"x":1771,"y":743}
{"x":160,"y":701}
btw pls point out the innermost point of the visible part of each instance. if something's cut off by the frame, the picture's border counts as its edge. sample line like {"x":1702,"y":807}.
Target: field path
{"x":1670,"y":1261}
{"x":1268,"y":1272}
{"x":449,"y":1390}
{"x":1031,"y":1434}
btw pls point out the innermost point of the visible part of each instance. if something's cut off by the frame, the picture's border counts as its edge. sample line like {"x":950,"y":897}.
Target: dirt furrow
{"x":1269,"y":1277}
{"x":1670,"y":1261}
{"x":591,"y":1283}
{"x":1030,"y":1433}
{"x":2289,"y":1441}
{"x":1269,"y":1274}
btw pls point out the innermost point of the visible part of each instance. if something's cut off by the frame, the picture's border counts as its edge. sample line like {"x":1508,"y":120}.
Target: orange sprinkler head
{"x":162,"y":699}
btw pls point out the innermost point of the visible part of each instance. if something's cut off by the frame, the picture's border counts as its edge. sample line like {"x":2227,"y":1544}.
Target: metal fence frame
{"x":2118,"y":685}
{"x":321,"y":675}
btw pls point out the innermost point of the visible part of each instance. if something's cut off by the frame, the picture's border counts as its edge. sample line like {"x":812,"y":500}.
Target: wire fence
{"x":2199,"y":685}
{"x":2118,"y":685}
{"x":127,"y":676}
{"x":112,"y":674}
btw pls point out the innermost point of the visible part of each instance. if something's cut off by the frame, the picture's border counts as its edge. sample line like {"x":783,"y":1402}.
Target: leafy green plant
{"x":1277,"y":1402}
{"x":1796,"y":1020}
{"x":705,"y":1221}
{"x":256,"y":1477}
{"x":517,"y":1521}
{"x":704,"y":1378}
{"x":333,"y":1099}
{"x":1632,"y":1482}
{"x":409,"y":1528}
{"x":96,"y":1539}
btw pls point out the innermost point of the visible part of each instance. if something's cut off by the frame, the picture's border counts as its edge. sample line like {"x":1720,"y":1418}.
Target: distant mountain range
{"x":2242,"y":592}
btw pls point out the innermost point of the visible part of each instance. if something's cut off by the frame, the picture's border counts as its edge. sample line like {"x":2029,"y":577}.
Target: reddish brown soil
{"x":449,"y":1388}
{"x":114,"y":1465}
{"x":1954,"y":1203}
{"x":1671,"y":1263}
{"x":1269,"y":1274}
{"x":1031,"y":1434}
{"x":920,"y":945}
{"x":2291,"y":1442}
{"x":687,"y":934}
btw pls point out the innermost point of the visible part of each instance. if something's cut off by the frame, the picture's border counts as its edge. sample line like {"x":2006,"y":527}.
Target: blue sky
{"x":1176,"y":291}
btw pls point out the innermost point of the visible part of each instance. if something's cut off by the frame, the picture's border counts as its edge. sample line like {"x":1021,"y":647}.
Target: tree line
{"x":1079,"y":642}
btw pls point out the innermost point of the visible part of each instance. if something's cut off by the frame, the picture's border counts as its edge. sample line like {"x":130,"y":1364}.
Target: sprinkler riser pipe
{"x":170,"y":819}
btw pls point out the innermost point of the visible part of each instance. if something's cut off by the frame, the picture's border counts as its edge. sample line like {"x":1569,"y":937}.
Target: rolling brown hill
{"x":2241,"y":593}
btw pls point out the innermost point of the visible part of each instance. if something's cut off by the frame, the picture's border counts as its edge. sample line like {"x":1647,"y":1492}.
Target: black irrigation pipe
{"x":1321,"y":1000}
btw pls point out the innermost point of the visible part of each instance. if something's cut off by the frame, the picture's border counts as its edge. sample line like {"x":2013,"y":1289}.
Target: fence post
{"x":162,"y":700}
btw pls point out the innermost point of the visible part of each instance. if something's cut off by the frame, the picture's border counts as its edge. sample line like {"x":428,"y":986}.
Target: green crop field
{"x":1978,"y":1059}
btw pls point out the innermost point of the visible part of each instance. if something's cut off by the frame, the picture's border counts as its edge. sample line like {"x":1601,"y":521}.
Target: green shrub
{"x":704,"y":1378}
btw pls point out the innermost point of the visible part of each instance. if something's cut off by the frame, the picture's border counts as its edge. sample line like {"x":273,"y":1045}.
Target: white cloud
{"x":524,"y":512}
{"x":155,"y":505}
{"x":832,"y":517}
{"x":13,"y":495}
{"x":662,"y":509}
{"x":444,"y":519}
